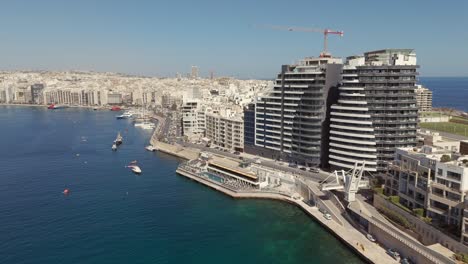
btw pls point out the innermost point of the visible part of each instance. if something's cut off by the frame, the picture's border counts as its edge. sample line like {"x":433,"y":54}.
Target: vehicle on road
{"x":371,"y":238}
{"x":327,"y":216}
{"x":292,"y":165}
{"x":236,"y":153}
{"x":393,"y":253}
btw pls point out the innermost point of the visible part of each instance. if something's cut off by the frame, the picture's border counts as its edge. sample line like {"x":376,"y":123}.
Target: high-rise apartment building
{"x":376,"y":110}
{"x":194,"y":72}
{"x":291,"y":120}
{"x":423,"y":98}
{"x":36,"y":93}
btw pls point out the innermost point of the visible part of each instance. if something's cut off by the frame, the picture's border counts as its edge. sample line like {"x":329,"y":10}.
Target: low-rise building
{"x":433,"y":179}
{"x":430,"y":138}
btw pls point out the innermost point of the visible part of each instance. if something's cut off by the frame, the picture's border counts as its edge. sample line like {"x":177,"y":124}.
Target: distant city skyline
{"x":162,"y":39}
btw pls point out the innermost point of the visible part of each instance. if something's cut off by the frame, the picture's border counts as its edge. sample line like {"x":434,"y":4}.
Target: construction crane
{"x":302,"y":29}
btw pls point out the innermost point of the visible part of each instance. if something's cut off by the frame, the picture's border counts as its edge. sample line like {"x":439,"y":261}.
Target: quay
{"x":366,"y":249}
{"x":349,"y":223}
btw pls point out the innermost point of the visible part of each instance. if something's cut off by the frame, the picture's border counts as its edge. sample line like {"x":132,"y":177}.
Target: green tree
{"x":445,"y":158}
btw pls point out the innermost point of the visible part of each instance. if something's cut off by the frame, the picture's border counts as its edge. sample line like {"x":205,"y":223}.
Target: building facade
{"x":193,"y":118}
{"x":376,"y":111}
{"x":435,"y":180}
{"x":225,"y":129}
{"x":423,"y":99}
{"x":291,"y":120}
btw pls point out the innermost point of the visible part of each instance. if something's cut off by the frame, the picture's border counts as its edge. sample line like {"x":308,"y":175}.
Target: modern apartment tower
{"x":291,"y":119}
{"x":376,"y":110}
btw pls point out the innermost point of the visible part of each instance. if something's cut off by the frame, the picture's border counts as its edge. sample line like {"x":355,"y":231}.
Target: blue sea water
{"x":448,"y":91}
{"x":114,"y":216}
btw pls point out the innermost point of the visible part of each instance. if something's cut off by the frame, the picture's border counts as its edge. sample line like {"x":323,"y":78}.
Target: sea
{"x":114,"y":216}
{"x":449,"y":92}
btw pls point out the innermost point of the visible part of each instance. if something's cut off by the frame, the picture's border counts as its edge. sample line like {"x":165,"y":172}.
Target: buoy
{"x":66,"y":191}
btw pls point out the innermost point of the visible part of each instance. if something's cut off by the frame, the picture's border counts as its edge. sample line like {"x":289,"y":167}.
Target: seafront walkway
{"x":345,"y":232}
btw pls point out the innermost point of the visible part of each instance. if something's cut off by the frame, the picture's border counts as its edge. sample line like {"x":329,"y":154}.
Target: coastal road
{"x":448,"y":135}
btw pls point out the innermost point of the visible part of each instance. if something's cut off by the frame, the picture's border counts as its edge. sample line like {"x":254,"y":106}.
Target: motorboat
{"x":135,"y":169}
{"x":118,"y":139}
{"x":148,"y":125}
{"x":114,"y":147}
{"x":150,"y":148}
{"x":124,"y":115}
{"x":54,"y":106}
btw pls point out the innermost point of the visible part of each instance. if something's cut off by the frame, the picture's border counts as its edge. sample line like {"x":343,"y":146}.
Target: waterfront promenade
{"x":370,"y":251}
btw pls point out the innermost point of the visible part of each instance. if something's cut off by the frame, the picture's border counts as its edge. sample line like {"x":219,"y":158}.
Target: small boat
{"x":114,"y":147}
{"x":124,"y":115}
{"x":119,"y":139}
{"x":54,"y":106}
{"x":66,"y":192}
{"x":135,"y":169}
{"x":150,"y":148}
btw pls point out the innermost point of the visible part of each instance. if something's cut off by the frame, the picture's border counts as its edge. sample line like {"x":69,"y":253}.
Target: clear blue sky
{"x":160,"y":38}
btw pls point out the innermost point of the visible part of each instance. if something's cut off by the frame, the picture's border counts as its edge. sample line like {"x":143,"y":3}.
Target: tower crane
{"x":325,"y":33}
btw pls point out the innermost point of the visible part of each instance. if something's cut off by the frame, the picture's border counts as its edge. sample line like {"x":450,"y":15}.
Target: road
{"x":448,"y":135}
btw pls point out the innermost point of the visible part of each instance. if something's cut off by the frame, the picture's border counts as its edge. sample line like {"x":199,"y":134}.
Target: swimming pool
{"x":213,"y":177}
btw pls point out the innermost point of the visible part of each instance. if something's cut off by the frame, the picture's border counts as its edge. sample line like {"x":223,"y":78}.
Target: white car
{"x":370,"y":237}
{"x":327,"y":216}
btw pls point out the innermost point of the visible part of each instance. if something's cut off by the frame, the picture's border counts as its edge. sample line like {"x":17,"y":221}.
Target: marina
{"x":112,"y":208}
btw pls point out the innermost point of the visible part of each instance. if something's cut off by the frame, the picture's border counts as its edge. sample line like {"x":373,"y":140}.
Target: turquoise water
{"x":114,"y":216}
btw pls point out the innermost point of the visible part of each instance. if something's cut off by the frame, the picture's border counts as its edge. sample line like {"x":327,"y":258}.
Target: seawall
{"x":368,"y":251}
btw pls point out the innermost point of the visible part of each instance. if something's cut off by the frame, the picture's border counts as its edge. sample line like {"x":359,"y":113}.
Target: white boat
{"x":148,"y":125}
{"x":119,"y":139}
{"x":125,"y":115}
{"x":114,"y":147}
{"x":145,"y":125}
{"x":135,"y":169}
{"x":150,"y":148}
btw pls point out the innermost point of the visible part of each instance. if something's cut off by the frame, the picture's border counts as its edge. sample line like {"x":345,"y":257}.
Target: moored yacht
{"x":150,"y":148}
{"x":119,"y":139}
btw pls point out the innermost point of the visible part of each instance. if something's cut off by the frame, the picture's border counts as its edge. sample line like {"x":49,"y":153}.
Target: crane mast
{"x":325,"y":33}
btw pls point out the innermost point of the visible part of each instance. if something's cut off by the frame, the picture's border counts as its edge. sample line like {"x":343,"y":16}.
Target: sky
{"x":161,"y":38}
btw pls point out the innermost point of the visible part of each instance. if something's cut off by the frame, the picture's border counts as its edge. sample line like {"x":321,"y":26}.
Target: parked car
{"x":258,"y":161}
{"x":327,"y":216}
{"x":393,"y":253}
{"x":303,"y":168}
{"x":370,"y":237}
{"x":292,"y":165}
{"x":236,"y":153}
{"x":314,"y":170}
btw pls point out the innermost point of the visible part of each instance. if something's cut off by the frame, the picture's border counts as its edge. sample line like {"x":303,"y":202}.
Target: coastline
{"x":333,"y":228}
{"x":353,"y":239}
